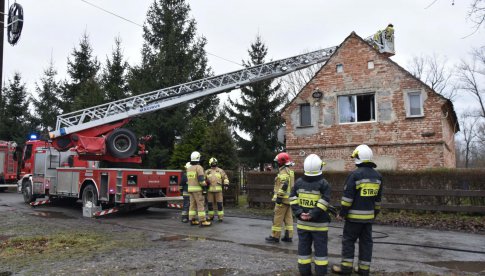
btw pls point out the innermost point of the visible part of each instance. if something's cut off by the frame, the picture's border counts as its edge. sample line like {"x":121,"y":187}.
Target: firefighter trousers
{"x":197,"y":206}
{"x":352,"y":232}
{"x":213,"y":199}
{"x":282,"y":214}
{"x":319,"y":240}
{"x":185,"y":206}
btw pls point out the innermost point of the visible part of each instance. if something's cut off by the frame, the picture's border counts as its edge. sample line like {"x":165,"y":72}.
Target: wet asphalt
{"x":396,"y":249}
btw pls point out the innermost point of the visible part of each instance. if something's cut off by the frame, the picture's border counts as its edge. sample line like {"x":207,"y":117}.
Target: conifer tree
{"x":48,"y":104}
{"x":83,"y":89}
{"x":219,"y":143}
{"x":191,"y":140}
{"x":17,"y":121}
{"x":257,"y":114}
{"x":114,"y":77}
{"x":172,"y":54}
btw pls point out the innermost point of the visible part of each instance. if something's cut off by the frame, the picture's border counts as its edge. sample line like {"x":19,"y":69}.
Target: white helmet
{"x":195,"y":156}
{"x":313,"y":165}
{"x":187,"y":165}
{"x":362,"y":154}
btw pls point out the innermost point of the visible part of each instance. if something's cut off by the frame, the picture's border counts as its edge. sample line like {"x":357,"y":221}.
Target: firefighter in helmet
{"x":185,"y":193}
{"x":361,"y":203}
{"x":196,"y":188}
{"x":216,"y":178}
{"x":282,"y":213}
{"x":309,"y":200}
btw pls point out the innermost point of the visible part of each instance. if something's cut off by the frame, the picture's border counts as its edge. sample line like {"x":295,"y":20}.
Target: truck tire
{"x":27,"y":192}
{"x":122,"y":143}
{"x":90,"y":196}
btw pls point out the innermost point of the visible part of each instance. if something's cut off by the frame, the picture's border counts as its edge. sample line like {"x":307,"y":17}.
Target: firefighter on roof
{"x":196,"y":188}
{"x":310,"y":199}
{"x":361,"y":203}
{"x":185,"y":193}
{"x":216,"y":178}
{"x":282,"y":213}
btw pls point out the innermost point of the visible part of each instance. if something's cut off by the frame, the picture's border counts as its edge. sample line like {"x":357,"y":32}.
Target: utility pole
{"x":2,"y":19}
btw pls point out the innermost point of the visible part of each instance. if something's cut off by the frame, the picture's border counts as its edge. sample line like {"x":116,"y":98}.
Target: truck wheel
{"x":27,"y":192}
{"x":122,"y":143}
{"x":90,"y":196}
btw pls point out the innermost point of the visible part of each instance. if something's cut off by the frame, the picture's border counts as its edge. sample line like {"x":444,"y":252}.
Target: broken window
{"x":356,"y":108}
{"x":415,"y":104}
{"x":305,"y":115}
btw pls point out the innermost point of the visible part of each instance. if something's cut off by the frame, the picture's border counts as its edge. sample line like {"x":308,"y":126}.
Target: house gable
{"x":383,"y":93}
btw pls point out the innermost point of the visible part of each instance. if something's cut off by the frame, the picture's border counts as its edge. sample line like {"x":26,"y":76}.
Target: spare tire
{"x":122,"y":143}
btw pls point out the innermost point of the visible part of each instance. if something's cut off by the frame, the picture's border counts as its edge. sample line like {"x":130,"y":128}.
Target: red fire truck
{"x":63,"y":175}
{"x":8,"y":165}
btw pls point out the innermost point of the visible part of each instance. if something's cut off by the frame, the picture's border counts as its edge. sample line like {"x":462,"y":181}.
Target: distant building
{"x":362,"y":96}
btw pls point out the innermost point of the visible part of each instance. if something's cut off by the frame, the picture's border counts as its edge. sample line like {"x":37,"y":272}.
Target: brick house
{"x":365,"y":97}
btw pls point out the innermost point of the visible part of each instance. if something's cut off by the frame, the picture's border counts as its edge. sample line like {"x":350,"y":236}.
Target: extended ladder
{"x":152,"y":101}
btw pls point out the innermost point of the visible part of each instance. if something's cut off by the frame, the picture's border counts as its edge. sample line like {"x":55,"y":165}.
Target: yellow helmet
{"x":213,"y":161}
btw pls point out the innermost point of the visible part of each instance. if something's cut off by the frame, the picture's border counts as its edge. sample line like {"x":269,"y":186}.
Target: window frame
{"x":309,"y":113}
{"x":356,"y":107}
{"x":408,"y":104}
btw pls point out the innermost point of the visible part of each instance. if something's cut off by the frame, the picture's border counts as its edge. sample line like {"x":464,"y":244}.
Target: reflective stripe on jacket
{"x":285,"y":176}
{"x":311,"y":194}
{"x":195,"y":178}
{"x":362,"y":194}
{"x":216,"y":177}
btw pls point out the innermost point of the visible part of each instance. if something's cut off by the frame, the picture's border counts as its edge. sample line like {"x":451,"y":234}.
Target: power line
{"x":132,"y":22}
{"x":112,"y":13}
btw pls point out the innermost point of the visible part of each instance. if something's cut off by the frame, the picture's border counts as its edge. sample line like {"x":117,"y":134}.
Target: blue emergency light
{"x":33,"y":137}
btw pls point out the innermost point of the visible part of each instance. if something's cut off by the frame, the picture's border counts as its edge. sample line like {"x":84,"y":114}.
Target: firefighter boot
{"x":361,"y":271}
{"x":194,"y":222}
{"x":337,"y":269}
{"x":185,"y":219}
{"x":205,"y":223}
{"x":287,"y":238}
{"x":272,"y":239}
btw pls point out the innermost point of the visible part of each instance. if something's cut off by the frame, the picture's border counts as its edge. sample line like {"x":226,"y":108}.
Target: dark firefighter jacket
{"x":311,"y":194}
{"x":361,"y":200}
{"x":183,"y":185}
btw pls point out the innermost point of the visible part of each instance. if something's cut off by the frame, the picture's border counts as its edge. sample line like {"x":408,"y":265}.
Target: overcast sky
{"x":288,"y":27}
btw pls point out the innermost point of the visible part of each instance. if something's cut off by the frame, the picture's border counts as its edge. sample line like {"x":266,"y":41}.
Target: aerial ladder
{"x":97,"y":132}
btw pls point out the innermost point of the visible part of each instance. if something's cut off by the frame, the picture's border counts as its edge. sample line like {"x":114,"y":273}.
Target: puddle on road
{"x":214,"y":272}
{"x":51,"y":214}
{"x":461,"y":266}
{"x":6,"y":273}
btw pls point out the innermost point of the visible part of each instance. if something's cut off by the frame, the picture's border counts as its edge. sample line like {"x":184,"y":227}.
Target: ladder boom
{"x":163,"y":98}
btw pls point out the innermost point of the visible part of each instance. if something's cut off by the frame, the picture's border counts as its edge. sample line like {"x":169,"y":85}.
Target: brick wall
{"x":399,"y":142}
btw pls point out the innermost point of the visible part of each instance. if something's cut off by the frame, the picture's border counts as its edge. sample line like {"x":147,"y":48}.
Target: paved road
{"x":396,"y":249}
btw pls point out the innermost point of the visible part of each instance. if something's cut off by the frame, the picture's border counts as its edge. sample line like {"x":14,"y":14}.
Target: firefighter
{"x":282,"y":212}
{"x":196,"y":188}
{"x":309,"y":200}
{"x":216,"y":178}
{"x":185,"y":193}
{"x":361,"y":203}
{"x":389,"y":32}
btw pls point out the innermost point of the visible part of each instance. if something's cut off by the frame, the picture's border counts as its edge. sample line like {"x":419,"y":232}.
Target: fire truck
{"x":67,"y":166}
{"x":8,"y":165}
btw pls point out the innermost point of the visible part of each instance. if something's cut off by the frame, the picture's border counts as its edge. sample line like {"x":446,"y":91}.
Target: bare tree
{"x":476,"y":13}
{"x":472,"y":76}
{"x":434,"y":71}
{"x":469,"y":125}
{"x":294,"y":82}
